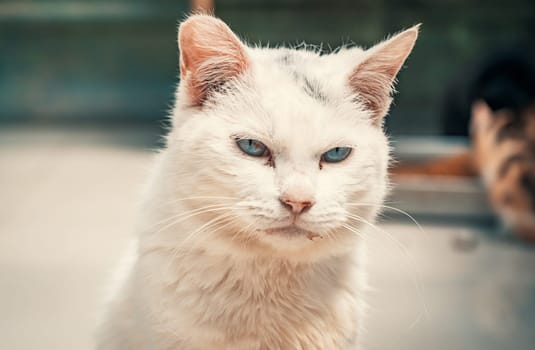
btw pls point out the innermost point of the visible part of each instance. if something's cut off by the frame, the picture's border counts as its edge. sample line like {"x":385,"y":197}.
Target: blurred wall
{"x":116,"y":61}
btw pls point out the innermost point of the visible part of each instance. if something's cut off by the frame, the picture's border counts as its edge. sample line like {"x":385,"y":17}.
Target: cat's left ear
{"x":373,"y":79}
{"x":210,"y":55}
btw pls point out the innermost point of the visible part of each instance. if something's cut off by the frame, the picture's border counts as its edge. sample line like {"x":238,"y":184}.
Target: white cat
{"x":274,"y":168}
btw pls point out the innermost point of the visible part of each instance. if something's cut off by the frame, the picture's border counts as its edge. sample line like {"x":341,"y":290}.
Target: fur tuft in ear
{"x":210,"y":55}
{"x":373,"y":79}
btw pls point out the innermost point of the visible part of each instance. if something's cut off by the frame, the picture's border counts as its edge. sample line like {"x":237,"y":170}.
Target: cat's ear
{"x":481,"y":119}
{"x":373,"y":79}
{"x":210,"y":55}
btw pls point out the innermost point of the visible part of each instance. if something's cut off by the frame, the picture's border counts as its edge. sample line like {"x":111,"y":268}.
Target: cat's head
{"x":283,"y":148}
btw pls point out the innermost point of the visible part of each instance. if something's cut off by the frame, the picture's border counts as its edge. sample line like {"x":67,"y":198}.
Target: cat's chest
{"x":232,"y":306}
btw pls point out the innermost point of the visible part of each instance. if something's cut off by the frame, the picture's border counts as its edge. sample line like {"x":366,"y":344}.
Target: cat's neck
{"x":263,"y":274}
{"x":252,"y":296}
{"x":260,"y":270}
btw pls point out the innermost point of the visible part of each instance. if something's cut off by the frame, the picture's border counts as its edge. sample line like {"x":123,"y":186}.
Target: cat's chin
{"x":293,"y":231}
{"x":301,"y":244}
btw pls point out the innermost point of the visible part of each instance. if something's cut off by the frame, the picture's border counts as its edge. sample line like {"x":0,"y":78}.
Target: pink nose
{"x":296,"y":206}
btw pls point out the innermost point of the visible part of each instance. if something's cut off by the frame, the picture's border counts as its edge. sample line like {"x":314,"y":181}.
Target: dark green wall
{"x":106,"y":60}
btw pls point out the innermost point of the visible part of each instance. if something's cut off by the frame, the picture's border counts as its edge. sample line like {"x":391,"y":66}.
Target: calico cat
{"x":503,"y":151}
{"x":498,"y":107}
{"x":275,"y":166}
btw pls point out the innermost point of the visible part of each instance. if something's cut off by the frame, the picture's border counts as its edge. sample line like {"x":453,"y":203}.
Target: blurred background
{"x":85,"y":88}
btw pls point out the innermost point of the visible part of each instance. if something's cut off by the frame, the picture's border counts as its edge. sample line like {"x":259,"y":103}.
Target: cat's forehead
{"x":322,"y":79}
{"x":300,"y":68}
{"x":288,"y":67}
{"x":302,"y":103}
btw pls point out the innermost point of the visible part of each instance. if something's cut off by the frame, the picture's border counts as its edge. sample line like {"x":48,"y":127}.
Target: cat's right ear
{"x":481,"y":119}
{"x":210,"y":55}
{"x":373,"y":79}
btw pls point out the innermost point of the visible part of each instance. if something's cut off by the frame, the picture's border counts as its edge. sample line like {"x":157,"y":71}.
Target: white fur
{"x":218,"y":280}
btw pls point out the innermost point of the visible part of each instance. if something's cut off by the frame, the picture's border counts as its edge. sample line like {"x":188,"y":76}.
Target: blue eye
{"x":336,"y":154}
{"x":253,"y":148}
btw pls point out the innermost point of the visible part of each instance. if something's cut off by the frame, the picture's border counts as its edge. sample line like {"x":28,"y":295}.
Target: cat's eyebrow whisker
{"x":404,"y":250}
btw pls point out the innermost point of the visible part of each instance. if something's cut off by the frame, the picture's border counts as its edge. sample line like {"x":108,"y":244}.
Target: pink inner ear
{"x":373,"y":86}
{"x":210,"y":55}
{"x":373,"y":79}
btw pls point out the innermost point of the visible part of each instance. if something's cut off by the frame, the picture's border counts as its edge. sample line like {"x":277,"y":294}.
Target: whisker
{"x":206,"y":225}
{"x":412,"y":262}
{"x":184,"y":213}
{"x":243,"y":230}
{"x":352,"y":229}
{"x":184,"y":216}
{"x":375,"y":227}
{"x":182,"y":199}
{"x":218,"y":220}
{"x":394,"y":209}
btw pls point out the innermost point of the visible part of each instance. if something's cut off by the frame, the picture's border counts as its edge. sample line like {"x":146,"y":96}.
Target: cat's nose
{"x":296,"y":205}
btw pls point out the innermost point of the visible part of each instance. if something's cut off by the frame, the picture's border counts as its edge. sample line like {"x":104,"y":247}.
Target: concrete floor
{"x":68,"y":203}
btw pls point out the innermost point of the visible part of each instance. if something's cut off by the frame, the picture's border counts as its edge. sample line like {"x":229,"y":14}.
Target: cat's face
{"x":286,"y":146}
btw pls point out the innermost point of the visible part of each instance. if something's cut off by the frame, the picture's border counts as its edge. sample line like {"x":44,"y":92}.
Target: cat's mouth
{"x":293,"y":230}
